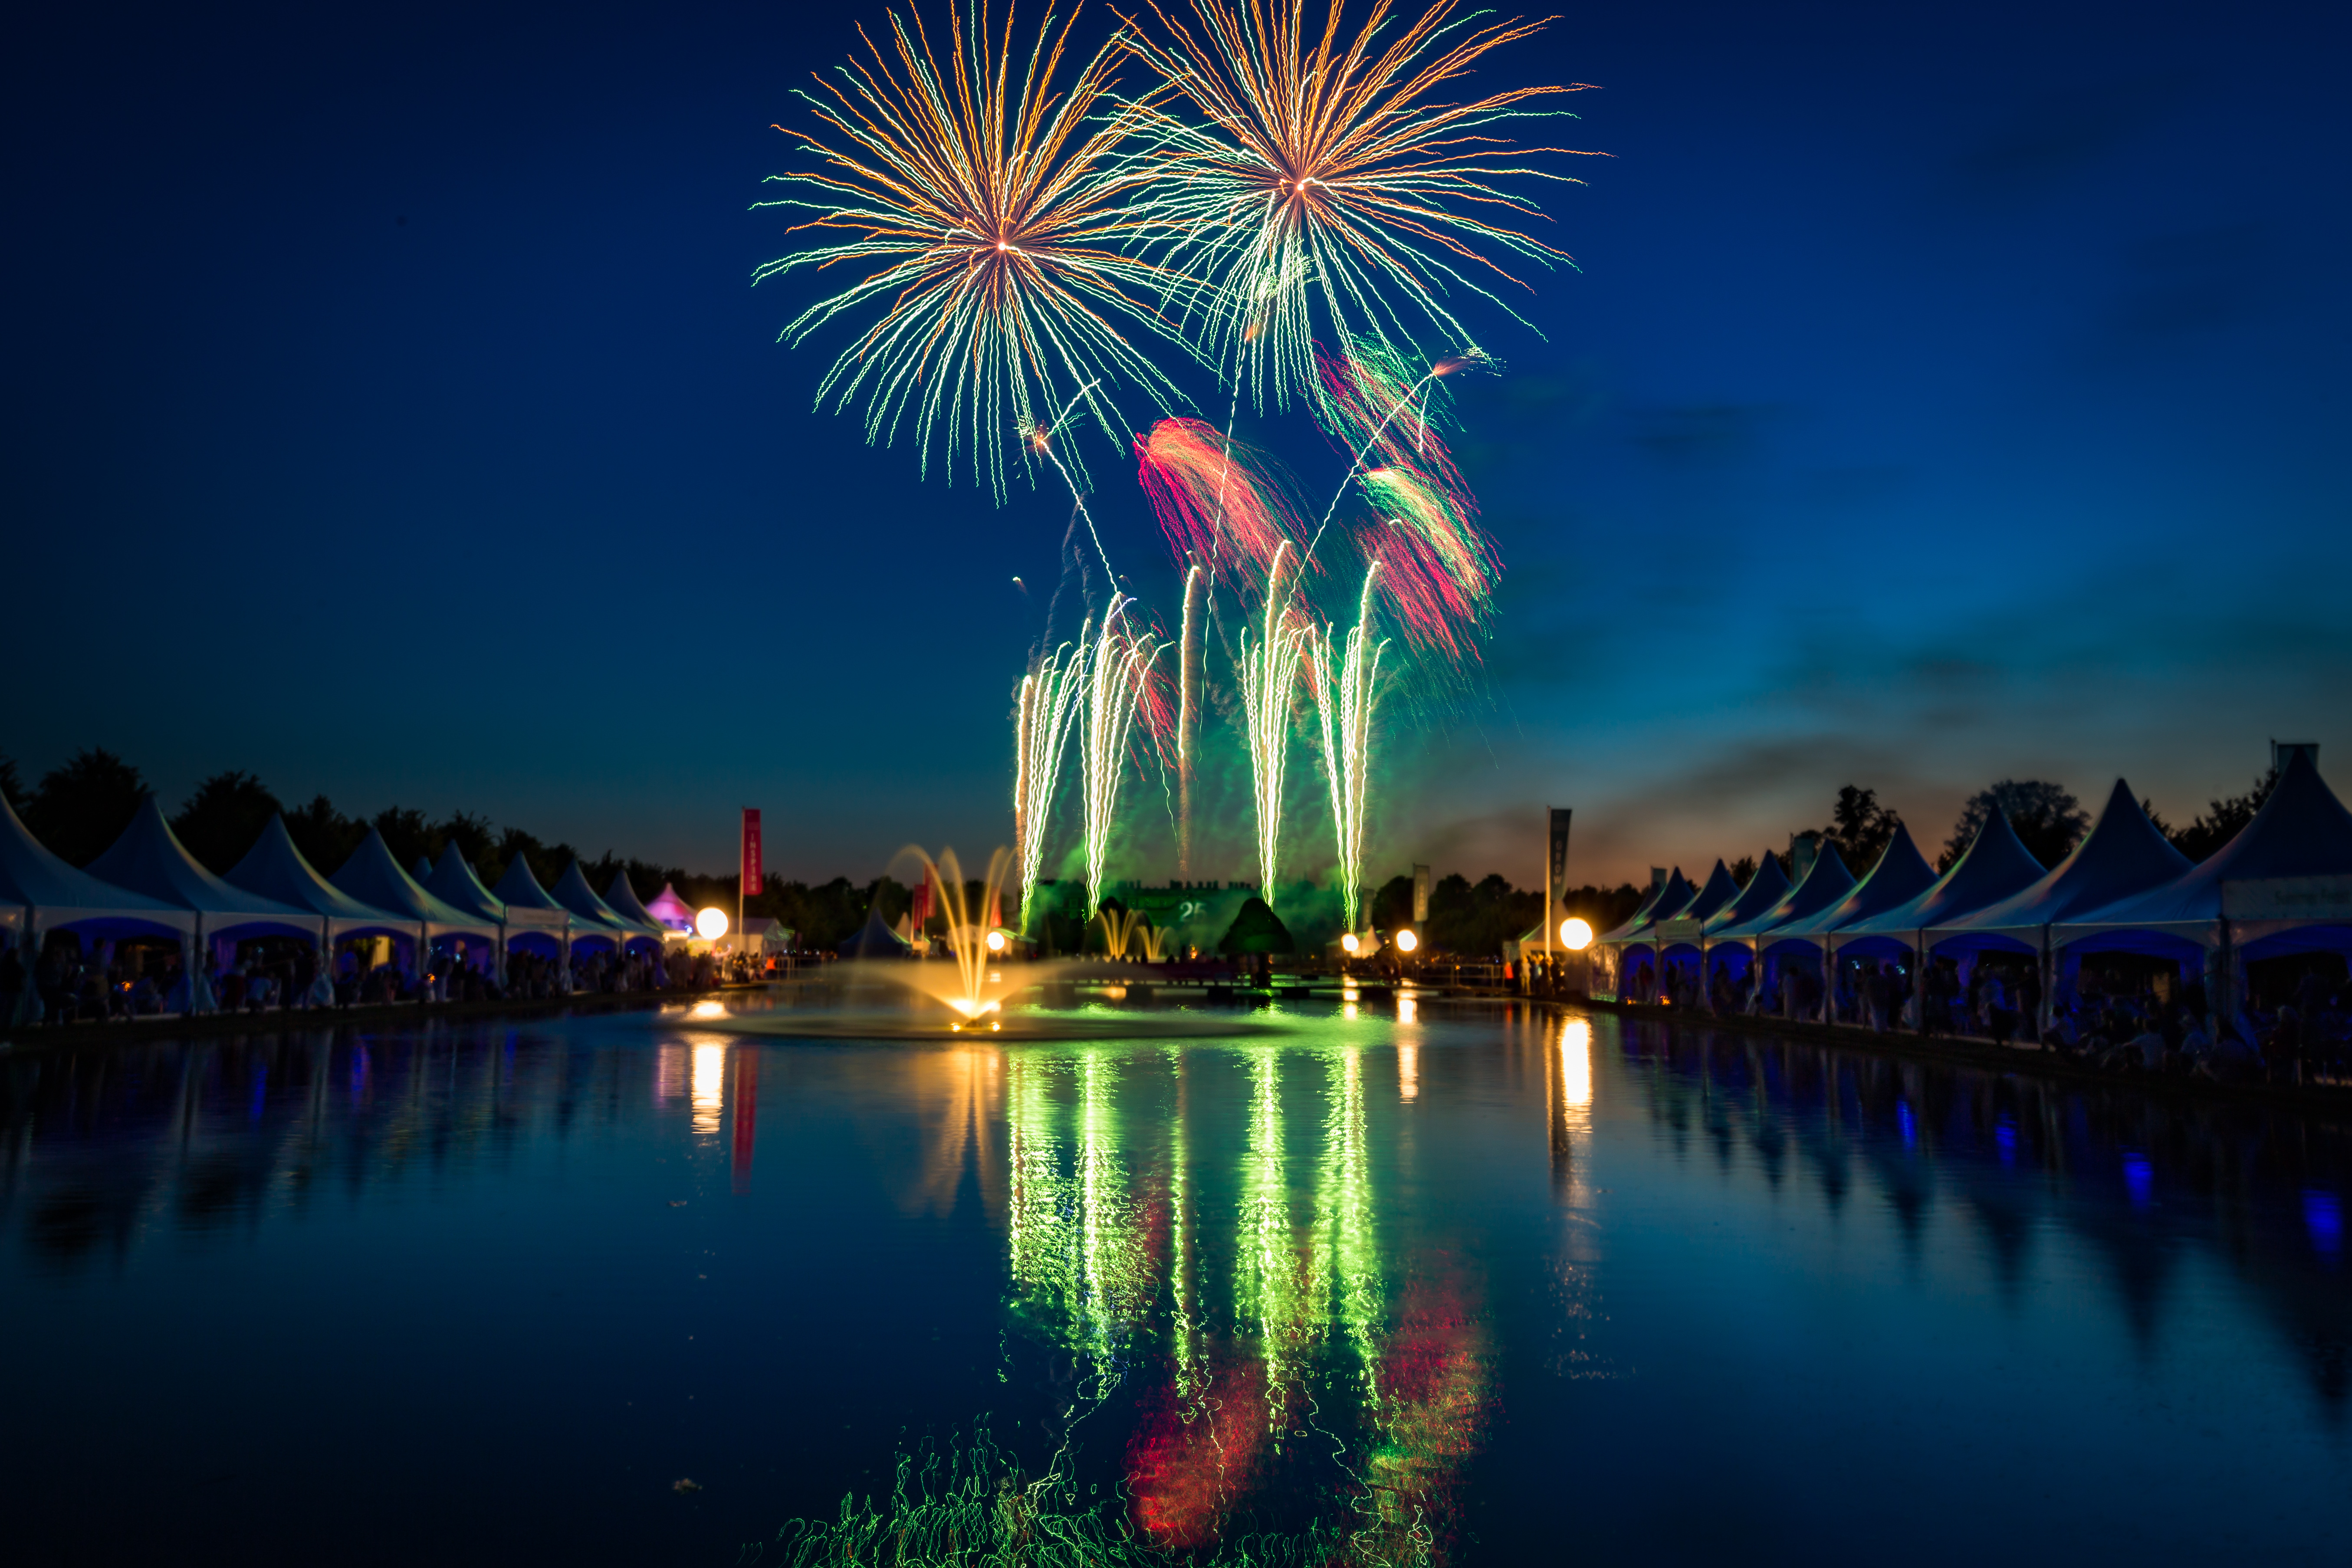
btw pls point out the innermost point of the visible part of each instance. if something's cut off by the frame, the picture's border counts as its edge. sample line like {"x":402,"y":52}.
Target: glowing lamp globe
{"x":1349,"y":942}
{"x":1406,"y":942}
{"x":996,"y":941}
{"x":710,"y":925}
{"x":1575,"y":935}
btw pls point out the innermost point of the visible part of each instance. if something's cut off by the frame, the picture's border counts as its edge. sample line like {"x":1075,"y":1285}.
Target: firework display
{"x":1049,"y":704}
{"x":1344,"y":677}
{"x":986,"y":196}
{"x":1285,"y":202}
{"x":1295,"y":166}
{"x":1117,"y":683}
{"x":1270,"y":674}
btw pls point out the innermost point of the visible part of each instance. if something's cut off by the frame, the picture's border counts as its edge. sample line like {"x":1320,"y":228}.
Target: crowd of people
{"x":107,"y":983}
{"x":2294,"y":1028}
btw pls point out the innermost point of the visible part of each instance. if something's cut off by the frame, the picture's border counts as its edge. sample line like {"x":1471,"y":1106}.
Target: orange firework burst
{"x":1323,"y":167}
{"x":1003,"y":231}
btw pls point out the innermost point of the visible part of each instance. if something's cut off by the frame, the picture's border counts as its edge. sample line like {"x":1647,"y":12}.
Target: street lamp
{"x":1575,"y":935}
{"x":996,"y":941}
{"x":710,"y":925}
{"x":1405,"y":941}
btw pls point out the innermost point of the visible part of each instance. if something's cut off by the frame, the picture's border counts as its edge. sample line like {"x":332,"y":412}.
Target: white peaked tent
{"x":40,"y":892}
{"x":275,"y":869}
{"x":149,"y":858}
{"x":530,"y":910}
{"x":595,"y":916}
{"x":454,"y":883}
{"x":373,"y":877}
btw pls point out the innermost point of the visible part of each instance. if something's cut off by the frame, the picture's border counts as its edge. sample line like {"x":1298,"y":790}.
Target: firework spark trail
{"x":1049,"y":705}
{"x":1450,"y":366}
{"x":1116,"y":682}
{"x":1345,"y":683}
{"x":1268,"y":677}
{"x":1363,"y":392}
{"x":1040,"y":440}
{"x":1320,"y":168}
{"x":1214,"y":503}
{"x":1188,"y":715}
{"x":1002,"y":229}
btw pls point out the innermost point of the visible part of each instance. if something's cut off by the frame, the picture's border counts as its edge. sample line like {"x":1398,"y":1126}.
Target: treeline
{"x":1474,"y":919}
{"x":2049,"y":822}
{"x":81,"y":808}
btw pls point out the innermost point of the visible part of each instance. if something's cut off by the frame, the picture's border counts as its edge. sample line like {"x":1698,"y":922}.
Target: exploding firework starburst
{"x":1003,"y":235}
{"x":1322,"y":167}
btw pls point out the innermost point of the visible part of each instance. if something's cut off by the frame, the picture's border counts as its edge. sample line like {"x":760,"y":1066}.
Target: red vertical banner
{"x":751,"y":886}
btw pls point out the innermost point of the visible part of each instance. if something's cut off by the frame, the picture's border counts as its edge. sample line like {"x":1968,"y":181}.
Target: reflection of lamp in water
{"x":708,"y":1008}
{"x":709,"y":1086}
{"x":710,"y":925}
{"x":1575,"y":935}
{"x":1576,"y":1062}
{"x":1408,"y":1072}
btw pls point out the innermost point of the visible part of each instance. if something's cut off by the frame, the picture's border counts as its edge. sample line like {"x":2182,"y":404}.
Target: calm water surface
{"x":1473,"y":1286}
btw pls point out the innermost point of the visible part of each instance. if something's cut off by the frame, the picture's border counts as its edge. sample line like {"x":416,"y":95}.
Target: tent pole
{"x":1919,"y":976}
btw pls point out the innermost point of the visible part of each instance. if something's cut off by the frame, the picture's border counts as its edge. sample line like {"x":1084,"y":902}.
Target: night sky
{"x":1947,"y":394}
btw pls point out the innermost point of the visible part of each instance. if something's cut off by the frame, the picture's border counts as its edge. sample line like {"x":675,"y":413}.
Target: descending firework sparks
{"x":1269,"y":673}
{"x":1321,"y":167}
{"x":1049,"y":704}
{"x":1187,"y":712}
{"x":1345,"y":681}
{"x":1118,"y":683}
{"x":1000,"y":232}
{"x":1376,"y":402}
{"x":1215,"y":503}
{"x":1439,"y":569}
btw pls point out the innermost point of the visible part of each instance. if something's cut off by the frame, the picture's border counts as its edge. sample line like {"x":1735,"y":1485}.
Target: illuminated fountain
{"x":985,"y":989}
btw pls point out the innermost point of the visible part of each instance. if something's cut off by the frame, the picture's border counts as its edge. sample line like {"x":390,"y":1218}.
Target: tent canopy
{"x":373,"y":877}
{"x":520,"y":891}
{"x":454,"y":883}
{"x":2122,"y":855}
{"x":1717,"y":894}
{"x":1669,"y":900}
{"x":572,"y":892}
{"x":2302,"y":837}
{"x":149,"y":858}
{"x":1993,"y":867}
{"x":1821,"y":887}
{"x":626,"y":903}
{"x":1900,"y":876}
{"x":667,"y":909}
{"x":275,"y":869}
{"x":1767,"y":888}
{"x":875,"y":940}
{"x":60,"y":894}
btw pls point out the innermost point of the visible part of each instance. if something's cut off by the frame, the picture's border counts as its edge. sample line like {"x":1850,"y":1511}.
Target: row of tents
{"x":148,"y":885}
{"x":2282,"y":887}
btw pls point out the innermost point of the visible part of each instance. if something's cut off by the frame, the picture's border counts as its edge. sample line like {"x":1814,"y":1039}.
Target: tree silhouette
{"x":2048,"y":821}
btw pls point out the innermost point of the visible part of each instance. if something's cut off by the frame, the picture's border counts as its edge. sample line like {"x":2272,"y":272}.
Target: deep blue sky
{"x":1947,"y":394}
